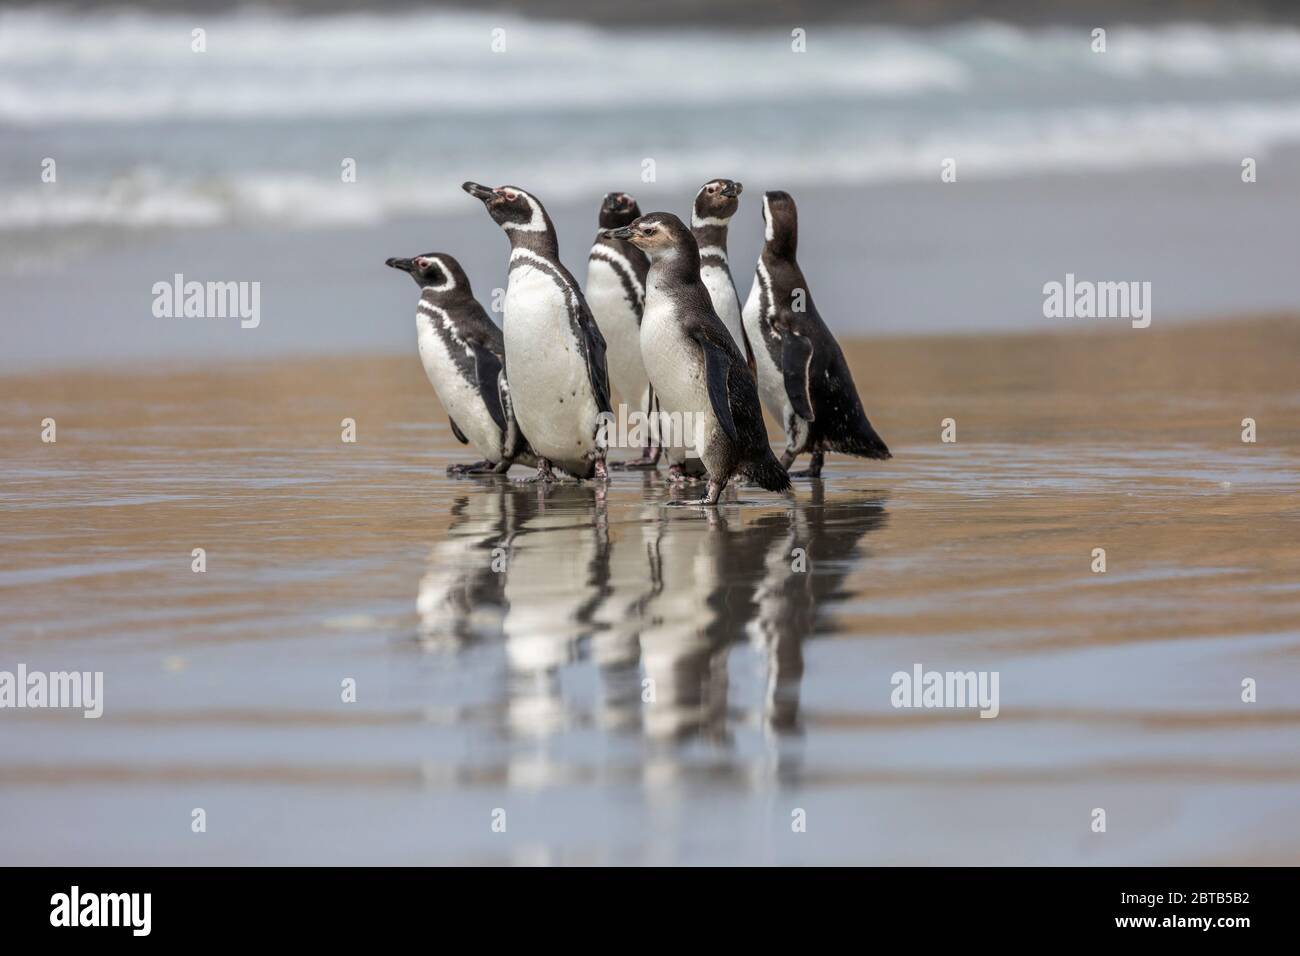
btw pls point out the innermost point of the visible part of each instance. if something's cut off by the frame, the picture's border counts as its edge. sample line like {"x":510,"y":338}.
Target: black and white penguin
{"x":555,"y":353}
{"x":802,"y":375}
{"x":711,"y":213}
{"x":463,"y":353}
{"x":615,"y":291}
{"x":715,"y":204}
{"x":694,"y":364}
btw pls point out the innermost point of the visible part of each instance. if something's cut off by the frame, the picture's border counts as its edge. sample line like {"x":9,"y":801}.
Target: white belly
{"x":676,"y":371}
{"x":617,"y":320}
{"x":549,"y":385}
{"x":771,"y":382}
{"x":723,"y":293}
{"x":460,"y":398}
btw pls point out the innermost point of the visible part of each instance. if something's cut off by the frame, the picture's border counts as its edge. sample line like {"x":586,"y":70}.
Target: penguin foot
{"x":544,"y":474}
{"x":708,"y":501}
{"x":677,"y":475}
{"x":636,"y":464}
{"x":814,"y":469}
{"x":474,"y":468}
{"x":648,"y":461}
{"x":602,"y":470}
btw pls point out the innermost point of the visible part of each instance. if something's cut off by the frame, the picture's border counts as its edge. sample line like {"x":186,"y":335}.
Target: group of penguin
{"x":660,"y":321}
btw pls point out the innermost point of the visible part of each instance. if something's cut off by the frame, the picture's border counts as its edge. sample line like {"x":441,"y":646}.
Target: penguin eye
{"x":511,"y":195}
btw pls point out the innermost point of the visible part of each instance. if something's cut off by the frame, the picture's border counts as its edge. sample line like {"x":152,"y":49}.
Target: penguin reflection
{"x":657,"y":605}
{"x":557,"y":576}
{"x":632,"y":580}
{"x":728,"y":579}
{"x":462,"y":594}
{"x":685,"y":636}
{"x":805,"y":564}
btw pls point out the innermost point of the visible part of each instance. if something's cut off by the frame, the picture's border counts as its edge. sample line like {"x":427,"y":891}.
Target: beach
{"x":246,"y":617}
{"x":498,"y":636}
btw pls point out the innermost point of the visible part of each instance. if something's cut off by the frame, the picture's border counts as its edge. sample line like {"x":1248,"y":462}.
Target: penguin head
{"x":717,"y":199}
{"x":511,"y":208}
{"x":659,"y":235}
{"x":617,"y":209}
{"x":433,"y":272}
{"x":780,"y":222}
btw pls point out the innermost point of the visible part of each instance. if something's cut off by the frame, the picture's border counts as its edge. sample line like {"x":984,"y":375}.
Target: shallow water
{"x":522,"y":687}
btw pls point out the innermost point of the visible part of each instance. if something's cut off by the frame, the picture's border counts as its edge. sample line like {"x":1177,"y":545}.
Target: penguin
{"x":555,"y":353}
{"x":802,"y":376}
{"x":615,"y":291}
{"x":693,"y":362}
{"x":463,"y":351}
{"x":715,"y":204}
{"x":711,"y":213}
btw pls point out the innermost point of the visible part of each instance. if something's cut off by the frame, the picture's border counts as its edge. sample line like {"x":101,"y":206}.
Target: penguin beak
{"x":406,"y":265}
{"x":481,"y":193}
{"x":733,"y":190}
{"x":622,"y":232}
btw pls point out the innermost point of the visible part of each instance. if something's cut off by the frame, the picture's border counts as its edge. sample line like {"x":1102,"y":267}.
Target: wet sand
{"x":522,"y":689}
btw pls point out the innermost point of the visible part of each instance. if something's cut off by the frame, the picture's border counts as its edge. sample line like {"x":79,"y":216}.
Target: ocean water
{"x":148,"y":133}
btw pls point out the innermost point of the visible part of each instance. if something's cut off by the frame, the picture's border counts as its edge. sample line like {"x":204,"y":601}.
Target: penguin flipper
{"x":749,"y":352}
{"x":597,"y":367}
{"x":455,"y":430}
{"x":512,"y":439}
{"x":487,"y":370}
{"x":796,"y":358}
{"x":717,"y":367}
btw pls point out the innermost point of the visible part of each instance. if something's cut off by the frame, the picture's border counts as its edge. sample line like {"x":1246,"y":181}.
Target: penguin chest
{"x":676,"y":369}
{"x":766,"y":347}
{"x":547,"y":368}
{"x":618,"y":319}
{"x":717,"y":279}
{"x":449,"y":364}
{"x":771,"y":381}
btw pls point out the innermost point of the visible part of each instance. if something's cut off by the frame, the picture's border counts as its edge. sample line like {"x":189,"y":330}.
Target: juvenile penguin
{"x":693,"y":362}
{"x":802,"y":375}
{"x":715,"y":204}
{"x":711,"y":213}
{"x":463,"y":352}
{"x":615,"y":291}
{"x":555,"y":354}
